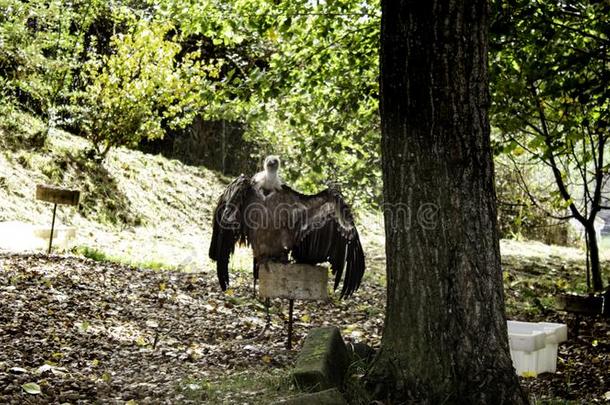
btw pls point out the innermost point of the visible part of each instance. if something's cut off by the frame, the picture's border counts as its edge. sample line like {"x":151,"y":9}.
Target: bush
{"x":518,"y":216}
{"x":132,"y":93}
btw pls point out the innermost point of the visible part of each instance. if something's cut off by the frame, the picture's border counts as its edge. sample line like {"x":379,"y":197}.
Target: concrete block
{"x":323,"y":361}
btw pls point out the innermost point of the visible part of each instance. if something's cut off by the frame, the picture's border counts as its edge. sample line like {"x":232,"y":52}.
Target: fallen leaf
{"x":58,"y":371}
{"x":18,"y":370}
{"x":83,"y":326}
{"x":31,"y":388}
{"x":529,"y":374}
{"x":152,"y":324}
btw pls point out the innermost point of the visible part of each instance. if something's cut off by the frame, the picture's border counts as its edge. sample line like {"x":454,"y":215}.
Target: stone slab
{"x":293,"y":281}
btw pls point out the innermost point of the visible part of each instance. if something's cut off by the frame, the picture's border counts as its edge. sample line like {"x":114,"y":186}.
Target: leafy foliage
{"x":517,"y":180}
{"x":551,"y":100}
{"x":549,"y":75}
{"x":325,"y":110}
{"x":132,"y":92}
{"x":42,"y":42}
{"x":302,"y":77}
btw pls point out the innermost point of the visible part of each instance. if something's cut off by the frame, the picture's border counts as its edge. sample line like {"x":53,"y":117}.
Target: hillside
{"x":137,"y":207}
{"x":145,"y":209}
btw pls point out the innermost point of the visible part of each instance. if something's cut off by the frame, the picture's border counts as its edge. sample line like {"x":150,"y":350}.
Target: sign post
{"x":56,"y":196}
{"x":293,"y":281}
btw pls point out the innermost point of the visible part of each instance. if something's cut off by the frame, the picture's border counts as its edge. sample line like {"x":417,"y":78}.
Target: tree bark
{"x":593,"y":250}
{"x":445,"y":338}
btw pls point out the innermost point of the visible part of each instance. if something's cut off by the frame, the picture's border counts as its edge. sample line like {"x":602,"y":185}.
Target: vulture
{"x":281,"y":224}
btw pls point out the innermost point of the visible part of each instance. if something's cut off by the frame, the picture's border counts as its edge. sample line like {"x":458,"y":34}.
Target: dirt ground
{"x":85,"y":331}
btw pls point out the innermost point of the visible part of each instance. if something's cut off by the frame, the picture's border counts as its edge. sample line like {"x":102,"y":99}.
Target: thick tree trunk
{"x":593,"y":248}
{"x":445,"y":338}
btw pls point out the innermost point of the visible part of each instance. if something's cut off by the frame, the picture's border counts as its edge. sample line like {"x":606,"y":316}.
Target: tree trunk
{"x":445,"y":338}
{"x":593,"y":248}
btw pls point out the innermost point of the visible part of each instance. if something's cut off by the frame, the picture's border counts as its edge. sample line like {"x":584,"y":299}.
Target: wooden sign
{"x":588,"y":305}
{"x":293,"y":281}
{"x":57,"y":195}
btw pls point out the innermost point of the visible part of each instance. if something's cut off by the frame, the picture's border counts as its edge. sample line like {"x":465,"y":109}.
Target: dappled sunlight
{"x":124,"y":333}
{"x":535,"y":249}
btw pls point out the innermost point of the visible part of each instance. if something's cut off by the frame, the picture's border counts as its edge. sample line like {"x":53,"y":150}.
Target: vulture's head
{"x":272,"y":163}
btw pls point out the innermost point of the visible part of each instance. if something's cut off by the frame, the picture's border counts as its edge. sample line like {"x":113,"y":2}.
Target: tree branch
{"x":580,"y":32}
{"x":583,"y":173}
{"x":599,"y":179}
{"x":528,"y":150}
{"x":565,"y":194}
{"x":523,"y":185}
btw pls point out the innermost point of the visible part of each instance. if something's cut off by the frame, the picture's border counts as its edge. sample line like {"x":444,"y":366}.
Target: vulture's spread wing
{"x":228,"y":226}
{"x":326,"y":233}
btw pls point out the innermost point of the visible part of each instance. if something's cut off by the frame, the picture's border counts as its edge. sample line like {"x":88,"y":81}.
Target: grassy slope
{"x":142,"y":207}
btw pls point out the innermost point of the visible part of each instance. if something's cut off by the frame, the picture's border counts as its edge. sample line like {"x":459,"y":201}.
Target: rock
{"x":361,"y":352}
{"x":323,"y":361}
{"x":328,"y":397}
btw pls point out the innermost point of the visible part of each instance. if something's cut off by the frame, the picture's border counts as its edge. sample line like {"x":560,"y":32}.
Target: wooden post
{"x":52,"y":229}
{"x":290,"y":311}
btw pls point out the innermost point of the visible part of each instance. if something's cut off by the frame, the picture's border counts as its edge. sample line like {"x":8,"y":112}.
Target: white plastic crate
{"x":533,"y":346}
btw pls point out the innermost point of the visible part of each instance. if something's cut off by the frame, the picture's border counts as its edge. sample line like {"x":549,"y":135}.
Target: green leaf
{"x":31,"y":388}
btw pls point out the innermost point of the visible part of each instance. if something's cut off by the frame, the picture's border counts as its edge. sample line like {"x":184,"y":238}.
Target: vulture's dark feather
{"x":322,"y":230}
{"x":228,"y":229}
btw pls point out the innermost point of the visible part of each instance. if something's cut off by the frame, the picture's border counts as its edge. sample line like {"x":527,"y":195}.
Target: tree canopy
{"x":550,"y":69}
{"x":300,"y":76}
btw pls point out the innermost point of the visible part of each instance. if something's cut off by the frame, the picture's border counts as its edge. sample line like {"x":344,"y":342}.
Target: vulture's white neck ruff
{"x":268,"y":180}
{"x":271,"y":175}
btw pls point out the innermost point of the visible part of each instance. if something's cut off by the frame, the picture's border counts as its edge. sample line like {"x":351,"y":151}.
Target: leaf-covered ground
{"x":82,"y":331}
{"x":112,"y":333}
